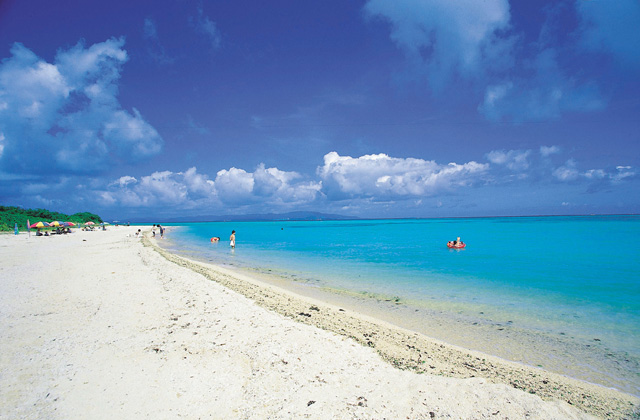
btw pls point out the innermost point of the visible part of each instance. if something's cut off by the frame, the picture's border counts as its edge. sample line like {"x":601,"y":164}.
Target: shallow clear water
{"x":573,"y":282}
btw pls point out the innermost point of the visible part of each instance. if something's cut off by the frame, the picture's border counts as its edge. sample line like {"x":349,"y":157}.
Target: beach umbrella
{"x":39,"y":225}
{"x":69,"y":224}
{"x":104,"y":223}
{"x":55,"y":223}
{"x":89,"y":223}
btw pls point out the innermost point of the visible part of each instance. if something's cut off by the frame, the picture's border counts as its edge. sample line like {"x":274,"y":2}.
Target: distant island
{"x":291,"y":216}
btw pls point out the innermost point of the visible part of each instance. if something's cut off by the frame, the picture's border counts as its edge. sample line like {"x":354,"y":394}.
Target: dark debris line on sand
{"x":407,"y":350}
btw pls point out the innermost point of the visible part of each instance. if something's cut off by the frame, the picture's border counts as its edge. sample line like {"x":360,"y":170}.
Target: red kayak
{"x":459,"y":246}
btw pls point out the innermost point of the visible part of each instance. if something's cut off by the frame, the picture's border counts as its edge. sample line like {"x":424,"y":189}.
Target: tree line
{"x":9,"y":216}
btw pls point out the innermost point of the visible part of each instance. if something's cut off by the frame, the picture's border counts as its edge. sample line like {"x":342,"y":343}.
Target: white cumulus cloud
{"x":123,"y":181}
{"x":70,"y":109}
{"x":270,"y":185}
{"x":383,"y":177}
{"x":232,"y":187}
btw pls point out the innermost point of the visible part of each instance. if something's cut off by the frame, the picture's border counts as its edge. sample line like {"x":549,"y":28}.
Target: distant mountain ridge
{"x":291,"y":216}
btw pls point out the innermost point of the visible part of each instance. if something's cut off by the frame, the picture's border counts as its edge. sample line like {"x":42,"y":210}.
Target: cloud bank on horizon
{"x":65,"y":132}
{"x":363,"y":182}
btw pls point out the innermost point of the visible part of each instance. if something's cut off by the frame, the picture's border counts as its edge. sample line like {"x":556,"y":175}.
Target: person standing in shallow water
{"x":232,"y":239}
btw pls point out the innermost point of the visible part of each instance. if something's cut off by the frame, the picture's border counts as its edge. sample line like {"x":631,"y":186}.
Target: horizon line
{"x":347,"y":218}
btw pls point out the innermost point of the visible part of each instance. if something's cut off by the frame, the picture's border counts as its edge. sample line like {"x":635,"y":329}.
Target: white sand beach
{"x":104,"y":325}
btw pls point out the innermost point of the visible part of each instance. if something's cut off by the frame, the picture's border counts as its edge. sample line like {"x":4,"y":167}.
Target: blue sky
{"x":404,"y":108}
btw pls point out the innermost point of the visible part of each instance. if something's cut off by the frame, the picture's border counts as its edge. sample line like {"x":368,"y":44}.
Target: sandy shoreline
{"x":104,"y":325}
{"x":501,"y":332}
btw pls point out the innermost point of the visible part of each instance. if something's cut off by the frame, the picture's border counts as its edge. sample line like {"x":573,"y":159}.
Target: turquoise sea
{"x":562,"y":293}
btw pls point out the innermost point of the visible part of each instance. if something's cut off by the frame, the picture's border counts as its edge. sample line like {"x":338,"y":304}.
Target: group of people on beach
{"x":58,"y":231}
{"x":153,"y":230}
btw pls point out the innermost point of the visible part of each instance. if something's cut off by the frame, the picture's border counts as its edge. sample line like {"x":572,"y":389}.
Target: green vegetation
{"x":11,"y":215}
